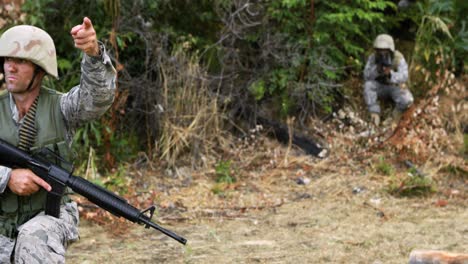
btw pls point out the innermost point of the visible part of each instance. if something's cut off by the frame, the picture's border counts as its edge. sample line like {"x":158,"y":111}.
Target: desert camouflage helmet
{"x":384,"y":41}
{"x":30,"y":43}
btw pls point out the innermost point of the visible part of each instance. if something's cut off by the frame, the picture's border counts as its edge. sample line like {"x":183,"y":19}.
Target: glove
{"x":383,"y":79}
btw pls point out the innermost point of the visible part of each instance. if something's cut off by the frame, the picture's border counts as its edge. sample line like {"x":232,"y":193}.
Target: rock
{"x":437,"y":257}
{"x":302,"y":180}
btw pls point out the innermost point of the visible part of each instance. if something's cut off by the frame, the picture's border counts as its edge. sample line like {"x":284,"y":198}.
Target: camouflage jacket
{"x":83,"y":103}
{"x":399,"y":71}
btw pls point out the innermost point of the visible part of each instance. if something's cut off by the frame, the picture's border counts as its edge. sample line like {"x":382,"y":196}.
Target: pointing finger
{"x":87,"y":23}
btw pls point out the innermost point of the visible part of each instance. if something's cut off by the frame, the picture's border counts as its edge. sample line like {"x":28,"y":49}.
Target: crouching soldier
{"x":385,"y":77}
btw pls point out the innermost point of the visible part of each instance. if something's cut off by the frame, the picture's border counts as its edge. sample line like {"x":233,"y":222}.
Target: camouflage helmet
{"x":384,"y":41}
{"x":30,"y":43}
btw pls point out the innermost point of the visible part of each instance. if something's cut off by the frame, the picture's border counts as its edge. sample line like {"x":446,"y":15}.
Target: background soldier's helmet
{"x":384,"y":41}
{"x":30,"y":43}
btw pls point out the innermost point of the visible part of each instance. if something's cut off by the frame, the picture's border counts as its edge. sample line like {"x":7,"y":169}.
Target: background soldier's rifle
{"x":383,"y":61}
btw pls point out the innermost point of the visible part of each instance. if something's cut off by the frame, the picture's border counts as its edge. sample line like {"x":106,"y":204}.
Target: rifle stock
{"x":13,"y":157}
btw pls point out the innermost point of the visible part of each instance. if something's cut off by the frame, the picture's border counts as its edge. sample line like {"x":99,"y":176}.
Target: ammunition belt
{"x":28,"y":131}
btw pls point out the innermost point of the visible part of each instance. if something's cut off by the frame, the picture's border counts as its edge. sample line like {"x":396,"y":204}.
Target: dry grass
{"x":268,"y":218}
{"x":192,"y":120}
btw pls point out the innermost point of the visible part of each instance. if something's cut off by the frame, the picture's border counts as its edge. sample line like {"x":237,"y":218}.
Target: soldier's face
{"x":18,"y":74}
{"x":383,"y":52}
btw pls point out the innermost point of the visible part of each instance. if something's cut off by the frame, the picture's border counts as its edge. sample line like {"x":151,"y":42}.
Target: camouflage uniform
{"x":44,"y":239}
{"x":395,"y":89}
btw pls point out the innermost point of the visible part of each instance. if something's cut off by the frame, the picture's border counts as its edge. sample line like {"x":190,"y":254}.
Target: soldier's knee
{"x":39,"y":246}
{"x":404,"y":104}
{"x":370,"y":86}
{"x":28,"y":234}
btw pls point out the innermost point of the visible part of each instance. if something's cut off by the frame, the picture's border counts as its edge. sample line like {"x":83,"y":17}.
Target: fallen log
{"x":437,"y":257}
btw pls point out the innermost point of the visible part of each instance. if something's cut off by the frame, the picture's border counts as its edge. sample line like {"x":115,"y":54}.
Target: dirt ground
{"x":288,"y":207}
{"x":343,"y":215}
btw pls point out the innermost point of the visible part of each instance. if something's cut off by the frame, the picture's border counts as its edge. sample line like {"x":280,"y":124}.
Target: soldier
{"x":403,"y":4}
{"x":32,"y":117}
{"x":385,"y":76}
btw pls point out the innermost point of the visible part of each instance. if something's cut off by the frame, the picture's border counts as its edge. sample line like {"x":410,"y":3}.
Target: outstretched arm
{"x":95,"y":93}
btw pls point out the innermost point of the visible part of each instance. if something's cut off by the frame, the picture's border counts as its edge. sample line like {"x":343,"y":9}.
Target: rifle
{"x":383,"y":60}
{"x":60,"y":178}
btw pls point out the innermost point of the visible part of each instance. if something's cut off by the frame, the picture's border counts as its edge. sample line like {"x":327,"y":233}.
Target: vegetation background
{"x":187,"y":70}
{"x":195,"y":78}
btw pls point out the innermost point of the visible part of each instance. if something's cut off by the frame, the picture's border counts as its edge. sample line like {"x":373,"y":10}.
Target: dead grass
{"x":343,"y":215}
{"x":191,"y":119}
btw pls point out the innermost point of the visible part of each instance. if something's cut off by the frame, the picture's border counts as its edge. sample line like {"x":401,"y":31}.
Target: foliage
{"x":177,"y":61}
{"x":456,"y":171}
{"x":117,"y":181}
{"x":305,"y":75}
{"x":224,"y":177}
{"x":411,"y":186}
{"x":385,"y":168}
{"x":441,"y":42}
{"x":223,"y":172}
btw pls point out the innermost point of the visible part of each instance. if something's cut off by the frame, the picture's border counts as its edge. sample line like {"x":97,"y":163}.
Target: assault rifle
{"x":59,"y":178}
{"x":383,"y":60}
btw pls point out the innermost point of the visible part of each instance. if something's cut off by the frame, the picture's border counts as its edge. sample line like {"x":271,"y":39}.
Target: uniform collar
{"x":14,"y":109}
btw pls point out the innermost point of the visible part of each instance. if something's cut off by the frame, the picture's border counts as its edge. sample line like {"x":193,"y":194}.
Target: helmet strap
{"x":36,"y":71}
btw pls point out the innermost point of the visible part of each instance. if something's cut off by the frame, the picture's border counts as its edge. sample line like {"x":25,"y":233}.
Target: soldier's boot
{"x":396,"y":115}
{"x":375,"y":119}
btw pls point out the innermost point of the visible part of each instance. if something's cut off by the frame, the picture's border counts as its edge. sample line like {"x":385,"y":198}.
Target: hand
{"x":386,"y":70}
{"x":24,"y":182}
{"x":84,"y":37}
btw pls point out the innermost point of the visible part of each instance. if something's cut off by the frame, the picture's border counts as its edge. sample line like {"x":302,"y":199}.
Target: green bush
{"x":322,"y":43}
{"x":411,"y":186}
{"x":224,"y":172}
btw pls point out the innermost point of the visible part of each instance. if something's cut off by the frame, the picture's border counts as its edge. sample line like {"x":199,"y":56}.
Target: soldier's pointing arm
{"x":95,"y":93}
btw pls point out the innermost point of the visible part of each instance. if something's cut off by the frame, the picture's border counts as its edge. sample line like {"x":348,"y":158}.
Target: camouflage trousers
{"x":43,"y":239}
{"x":374,"y":90}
